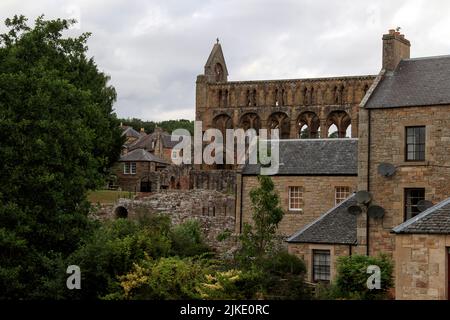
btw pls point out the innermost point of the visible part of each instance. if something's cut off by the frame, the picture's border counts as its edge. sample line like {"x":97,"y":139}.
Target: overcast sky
{"x":153,"y":50}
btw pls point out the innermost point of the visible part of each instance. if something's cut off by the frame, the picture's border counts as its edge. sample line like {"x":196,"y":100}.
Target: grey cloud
{"x":153,"y":50}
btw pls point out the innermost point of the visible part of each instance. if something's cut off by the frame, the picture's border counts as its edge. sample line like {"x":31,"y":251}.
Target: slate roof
{"x":141,"y":155}
{"x":146,"y":142}
{"x":415,"y":82}
{"x":130,"y":132}
{"x":310,"y":157}
{"x":435,"y":220}
{"x":337,"y":226}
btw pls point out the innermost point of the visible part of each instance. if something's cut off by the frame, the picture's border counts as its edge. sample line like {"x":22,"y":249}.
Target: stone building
{"x":314,"y":107}
{"x":314,"y":175}
{"x":404,"y":125}
{"x":402,"y":122}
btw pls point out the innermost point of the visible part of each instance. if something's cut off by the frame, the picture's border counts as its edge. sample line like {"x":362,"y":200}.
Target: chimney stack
{"x":395,"y":48}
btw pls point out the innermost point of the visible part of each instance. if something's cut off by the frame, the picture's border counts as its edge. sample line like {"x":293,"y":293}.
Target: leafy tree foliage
{"x":58,"y":138}
{"x":257,"y":239}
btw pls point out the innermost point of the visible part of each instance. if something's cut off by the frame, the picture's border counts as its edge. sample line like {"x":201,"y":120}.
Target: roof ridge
{"x":291,"y":238}
{"x":404,"y":225}
{"x":428,"y":58}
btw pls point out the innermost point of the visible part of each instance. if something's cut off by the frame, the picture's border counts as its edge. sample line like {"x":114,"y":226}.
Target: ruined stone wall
{"x":305,"y":252}
{"x":214,"y":210}
{"x":421,"y":267}
{"x":388,"y":130}
{"x":289,"y":104}
{"x":318,"y":198}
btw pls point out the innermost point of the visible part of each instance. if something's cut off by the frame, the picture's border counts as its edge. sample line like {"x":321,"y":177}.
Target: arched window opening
{"x":280,"y":121}
{"x":308,"y":125}
{"x":333,"y":132}
{"x":337,"y":124}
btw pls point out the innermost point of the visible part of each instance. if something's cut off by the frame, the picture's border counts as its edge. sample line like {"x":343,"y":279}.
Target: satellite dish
{"x":354,"y":210}
{"x":386,"y":169}
{"x":363,"y":197}
{"x":423,"y":205}
{"x":376,"y":212}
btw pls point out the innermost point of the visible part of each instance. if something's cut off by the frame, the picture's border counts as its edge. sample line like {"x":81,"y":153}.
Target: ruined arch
{"x":341,"y":120}
{"x":222,"y":122}
{"x":308,"y":125}
{"x":250,"y":120}
{"x":280,"y":121}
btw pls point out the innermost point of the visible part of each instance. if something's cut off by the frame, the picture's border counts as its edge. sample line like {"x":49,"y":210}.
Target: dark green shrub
{"x":187,"y":239}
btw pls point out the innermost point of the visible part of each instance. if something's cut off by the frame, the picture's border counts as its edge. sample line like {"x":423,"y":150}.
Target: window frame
{"x":341,"y":192}
{"x":129,"y":168}
{"x":300,"y":198}
{"x":314,"y":265}
{"x":422,"y":154}
{"x":406,"y":205}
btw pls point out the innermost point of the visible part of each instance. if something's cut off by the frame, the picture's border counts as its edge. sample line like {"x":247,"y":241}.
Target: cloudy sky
{"x":153,"y":50}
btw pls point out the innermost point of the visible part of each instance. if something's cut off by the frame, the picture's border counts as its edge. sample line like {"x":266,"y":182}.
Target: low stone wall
{"x":214,"y":210}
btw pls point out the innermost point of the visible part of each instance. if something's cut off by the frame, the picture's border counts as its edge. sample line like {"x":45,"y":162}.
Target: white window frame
{"x":340,"y":192}
{"x":129,"y":168}
{"x":299,"y":197}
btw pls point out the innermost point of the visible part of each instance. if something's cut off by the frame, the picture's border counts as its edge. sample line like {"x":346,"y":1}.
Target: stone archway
{"x":280,"y":121}
{"x":341,"y":120}
{"x":250,"y":120}
{"x":222,"y":122}
{"x":121,"y":212}
{"x":308,"y":125}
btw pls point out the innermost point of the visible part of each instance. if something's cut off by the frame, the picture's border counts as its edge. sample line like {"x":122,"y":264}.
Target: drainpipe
{"x":369,"y":138}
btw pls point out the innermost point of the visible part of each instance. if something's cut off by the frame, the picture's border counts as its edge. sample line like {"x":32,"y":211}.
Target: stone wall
{"x":319,"y":103}
{"x":387,"y":130}
{"x":318,"y":198}
{"x":305,"y":252}
{"x":214,"y":210}
{"x":421,"y":267}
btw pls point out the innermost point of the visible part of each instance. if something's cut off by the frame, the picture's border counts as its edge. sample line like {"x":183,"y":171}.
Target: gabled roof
{"x":415,"y":82}
{"x":314,"y":157}
{"x":435,"y":220}
{"x":146,"y":142}
{"x":141,"y":155}
{"x":216,"y":55}
{"x":130,"y":132}
{"x":337,"y":226}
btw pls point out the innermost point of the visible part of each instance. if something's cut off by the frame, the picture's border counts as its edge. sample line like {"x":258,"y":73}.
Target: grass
{"x":108,"y":196}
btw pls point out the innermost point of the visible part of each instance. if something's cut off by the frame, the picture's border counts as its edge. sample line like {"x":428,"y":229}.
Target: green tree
{"x":58,"y":138}
{"x":257,"y":239}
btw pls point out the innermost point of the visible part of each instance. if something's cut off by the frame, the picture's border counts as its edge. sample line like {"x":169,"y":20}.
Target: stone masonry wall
{"x":214,"y":210}
{"x":388,"y":129}
{"x":305,"y":252}
{"x":421,"y":267}
{"x":318,"y":198}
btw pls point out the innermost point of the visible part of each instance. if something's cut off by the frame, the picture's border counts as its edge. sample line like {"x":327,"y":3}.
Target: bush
{"x":351,"y":280}
{"x":164,"y":279}
{"x":187,"y":240}
{"x":113,"y":249}
{"x":284,"y":277}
